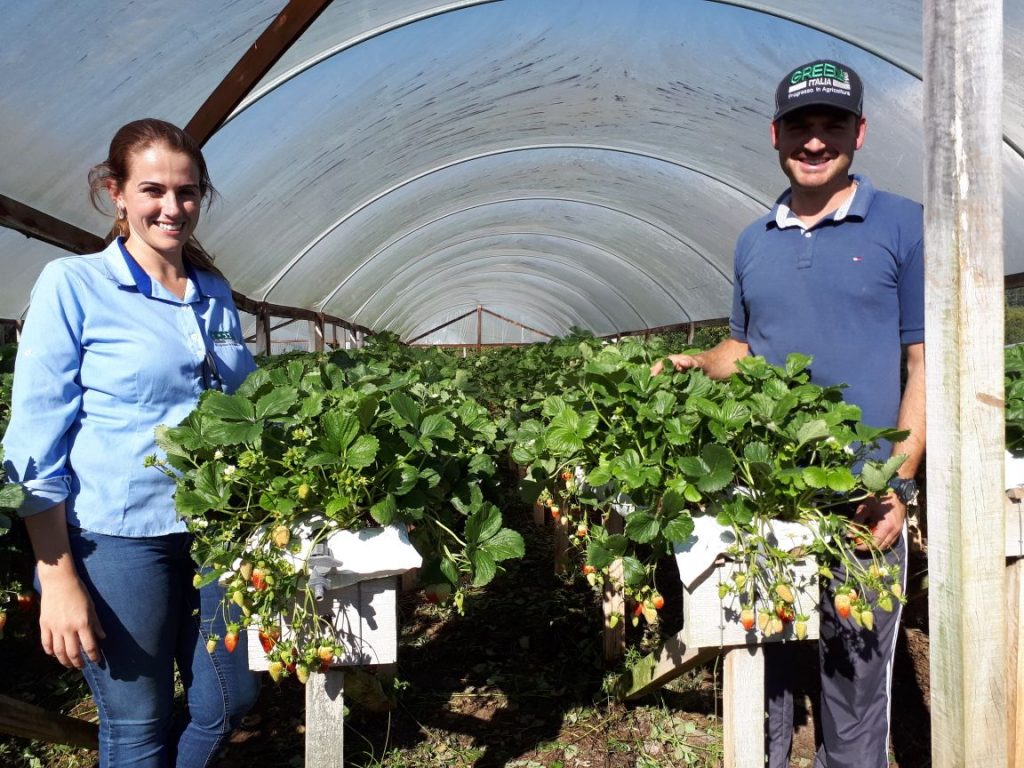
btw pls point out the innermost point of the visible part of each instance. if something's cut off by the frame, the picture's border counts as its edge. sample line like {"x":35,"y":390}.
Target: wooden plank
{"x":325,"y":719}
{"x":613,"y":603}
{"x":42,"y":226}
{"x":1014,"y":523}
{"x":442,"y":325}
{"x":1015,"y":663}
{"x":282,"y":32}
{"x":710,"y":620}
{"x":539,"y":516}
{"x":673,"y":659}
{"x":560,"y":543}
{"x":516,"y":324}
{"x":963,"y":204}
{"x":743,"y":708}
{"x":28,"y":721}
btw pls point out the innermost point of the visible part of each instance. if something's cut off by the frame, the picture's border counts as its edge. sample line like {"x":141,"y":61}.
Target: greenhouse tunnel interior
{"x":407,"y":163}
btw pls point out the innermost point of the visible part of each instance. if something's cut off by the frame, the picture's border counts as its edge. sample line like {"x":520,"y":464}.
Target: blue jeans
{"x":144,"y":599}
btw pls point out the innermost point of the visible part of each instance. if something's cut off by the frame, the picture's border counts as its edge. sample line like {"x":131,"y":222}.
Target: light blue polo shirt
{"x":106,"y":356}
{"x":848,"y":291}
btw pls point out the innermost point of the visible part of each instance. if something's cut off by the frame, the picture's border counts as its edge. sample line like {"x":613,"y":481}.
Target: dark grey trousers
{"x":856,"y":683}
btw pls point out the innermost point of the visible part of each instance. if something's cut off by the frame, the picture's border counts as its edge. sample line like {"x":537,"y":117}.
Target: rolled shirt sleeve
{"x":47,"y":393}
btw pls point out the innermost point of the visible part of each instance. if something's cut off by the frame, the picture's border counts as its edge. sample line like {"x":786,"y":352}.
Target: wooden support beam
{"x":41,"y":226}
{"x":964,"y":352}
{"x":479,"y":328}
{"x":517,"y":325}
{"x":743,"y":707}
{"x":1015,"y":663}
{"x":28,"y":721}
{"x":442,"y":325}
{"x":283,"y":31}
{"x":673,"y":659}
{"x":325,"y":719}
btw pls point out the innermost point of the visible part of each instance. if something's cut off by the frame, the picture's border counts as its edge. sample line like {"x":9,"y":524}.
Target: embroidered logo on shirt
{"x":223,"y":338}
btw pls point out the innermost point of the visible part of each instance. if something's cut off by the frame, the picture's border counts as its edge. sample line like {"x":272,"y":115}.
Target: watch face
{"x":905,"y":488}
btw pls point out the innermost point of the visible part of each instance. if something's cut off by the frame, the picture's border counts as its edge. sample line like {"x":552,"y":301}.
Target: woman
{"x":115,"y":344}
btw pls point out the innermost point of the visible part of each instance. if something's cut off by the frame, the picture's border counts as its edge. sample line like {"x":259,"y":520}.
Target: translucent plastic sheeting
{"x":580,"y":162}
{"x":73,"y":71}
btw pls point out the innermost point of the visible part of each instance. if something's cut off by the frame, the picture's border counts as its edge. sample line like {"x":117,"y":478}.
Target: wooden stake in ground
{"x":964,"y":360}
{"x":325,"y":719}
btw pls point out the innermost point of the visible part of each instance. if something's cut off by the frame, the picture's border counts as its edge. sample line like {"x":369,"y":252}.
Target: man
{"x":835,"y":271}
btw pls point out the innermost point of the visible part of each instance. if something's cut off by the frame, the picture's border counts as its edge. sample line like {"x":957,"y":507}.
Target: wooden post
{"x":613,"y":603}
{"x":479,"y":328}
{"x":325,"y":719}
{"x":743,"y":707}
{"x":262,"y":331}
{"x":316,"y":333}
{"x":19,"y":718}
{"x":963,"y":46}
{"x":560,"y":540}
{"x":1015,"y":663}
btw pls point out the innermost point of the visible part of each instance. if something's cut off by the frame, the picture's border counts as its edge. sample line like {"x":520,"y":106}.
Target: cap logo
{"x":822,"y":83}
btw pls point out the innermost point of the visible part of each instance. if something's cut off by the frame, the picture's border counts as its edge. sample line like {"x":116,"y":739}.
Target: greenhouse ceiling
{"x":558,"y":162}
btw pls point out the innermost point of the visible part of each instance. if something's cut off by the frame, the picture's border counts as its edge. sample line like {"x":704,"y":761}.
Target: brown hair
{"x":137,"y":136}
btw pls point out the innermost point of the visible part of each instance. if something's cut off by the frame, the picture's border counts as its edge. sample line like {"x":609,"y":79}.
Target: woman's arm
{"x":67,"y":620}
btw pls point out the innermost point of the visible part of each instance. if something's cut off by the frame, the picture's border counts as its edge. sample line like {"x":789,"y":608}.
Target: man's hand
{"x":884,"y":518}
{"x":679,"y":362}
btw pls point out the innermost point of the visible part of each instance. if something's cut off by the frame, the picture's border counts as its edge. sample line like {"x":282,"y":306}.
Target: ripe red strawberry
{"x":657,"y":601}
{"x":25,"y":601}
{"x":589,"y":569}
{"x":639,"y":609}
{"x":269,"y":637}
{"x":747,"y":618}
{"x":231,"y":638}
{"x":784,"y":612}
{"x":555,"y":513}
{"x":259,"y":579}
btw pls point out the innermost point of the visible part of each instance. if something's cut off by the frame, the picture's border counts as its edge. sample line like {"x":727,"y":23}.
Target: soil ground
{"x":519,"y":680}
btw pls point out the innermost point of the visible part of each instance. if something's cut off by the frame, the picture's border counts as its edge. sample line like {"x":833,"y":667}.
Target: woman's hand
{"x":67,"y":619}
{"x":68,"y":626}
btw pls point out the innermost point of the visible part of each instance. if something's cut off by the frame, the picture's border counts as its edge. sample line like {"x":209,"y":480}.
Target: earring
{"x":122,"y":214}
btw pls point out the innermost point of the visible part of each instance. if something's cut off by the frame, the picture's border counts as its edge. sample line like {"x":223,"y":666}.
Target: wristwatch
{"x":905,"y":488}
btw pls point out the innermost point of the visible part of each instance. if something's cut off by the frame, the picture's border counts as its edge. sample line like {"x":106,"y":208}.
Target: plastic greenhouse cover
{"x":581,"y":163}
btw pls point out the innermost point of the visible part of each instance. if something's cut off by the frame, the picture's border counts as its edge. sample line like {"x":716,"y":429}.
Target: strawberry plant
{"x":313,"y":444}
{"x":1014,"y":385}
{"x":765,"y":445}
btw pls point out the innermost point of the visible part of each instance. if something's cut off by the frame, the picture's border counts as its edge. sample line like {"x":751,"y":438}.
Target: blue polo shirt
{"x":848,"y":291}
{"x":106,"y":356}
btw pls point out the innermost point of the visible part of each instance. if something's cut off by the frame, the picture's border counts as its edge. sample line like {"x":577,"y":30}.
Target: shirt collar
{"x":125,"y":270}
{"x":854,"y":207}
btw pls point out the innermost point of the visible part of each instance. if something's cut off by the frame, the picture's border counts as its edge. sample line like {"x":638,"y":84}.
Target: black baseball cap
{"x":820,"y":83}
